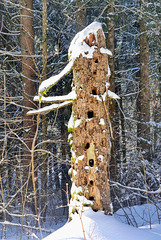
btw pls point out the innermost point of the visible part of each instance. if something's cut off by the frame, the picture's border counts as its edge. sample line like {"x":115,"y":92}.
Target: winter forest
{"x":40,"y":174}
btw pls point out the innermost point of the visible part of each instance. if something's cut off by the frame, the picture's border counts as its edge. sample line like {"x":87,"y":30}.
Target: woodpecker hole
{"x":90,"y":114}
{"x":87,"y":146}
{"x":94,"y":72}
{"x":96,"y":60}
{"x":91,"y":182}
{"x":91,"y":162}
{"x":94,"y":91}
{"x":91,"y":198}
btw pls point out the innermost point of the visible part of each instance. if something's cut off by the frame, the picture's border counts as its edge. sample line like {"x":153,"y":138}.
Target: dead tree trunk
{"x":89,"y":122}
{"x":91,"y":139}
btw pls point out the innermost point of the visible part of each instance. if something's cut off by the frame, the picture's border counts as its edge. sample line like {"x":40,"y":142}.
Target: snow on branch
{"x":112,"y":95}
{"x":49,"y":108}
{"x":158,"y":191}
{"x":69,"y":97}
{"x":47,"y":84}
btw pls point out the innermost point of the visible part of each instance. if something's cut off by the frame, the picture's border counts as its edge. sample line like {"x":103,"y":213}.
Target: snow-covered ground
{"x":101,"y":227}
{"x":98,"y":226}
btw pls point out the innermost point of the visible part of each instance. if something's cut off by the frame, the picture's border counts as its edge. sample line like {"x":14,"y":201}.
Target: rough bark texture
{"x":28,"y":75}
{"x":115,"y":156}
{"x":143,"y":103}
{"x":44,"y":117}
{"x":91,"y":138}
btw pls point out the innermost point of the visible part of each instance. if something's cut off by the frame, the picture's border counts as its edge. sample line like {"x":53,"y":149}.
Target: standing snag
{"x":91,"y":138}
{"x":89,"y":123}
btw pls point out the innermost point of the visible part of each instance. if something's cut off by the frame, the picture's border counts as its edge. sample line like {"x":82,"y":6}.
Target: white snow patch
{"x":105,"y":51}
{"x":71,"y":142}
{"x":71,"y":123}
{"x":98,"y":98}
{"x":107,"y":83}
{"x":87,"y":168}
{"x":80,"y":158}
{"x":77,"y":123}
{"x":104,"y":96}
{"x":113,"y":95}
{"x":74,"y":172}
{"x":70,"y":96}
{"x":102,"y":122}
{"x":49,"y":108}
{"x":70,"y":136}
{"x":78,"y":45}
{"x":75,"y":189}
{"x":108,"y":74}
{"x":103,"y":227}
{"x":101,"y":157}
{"x":100,"y":227}
{"x":47,"y":84}
{"x":88,"y":119}
{"x":73,"y":154}
{"x":70,"y":171}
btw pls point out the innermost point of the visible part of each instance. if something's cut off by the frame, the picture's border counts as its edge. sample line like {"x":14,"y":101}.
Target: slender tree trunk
{"x":112,"y":106}
{"x":65,"y":179}
{"x":28,"y":77}
{"x":157,"y":107}
{"x":80,"y":16}
{"x":143,"y":101}
{"x":44,"y":117}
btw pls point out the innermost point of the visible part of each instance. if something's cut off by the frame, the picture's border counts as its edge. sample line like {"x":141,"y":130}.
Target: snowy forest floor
{"x":144,"y":221}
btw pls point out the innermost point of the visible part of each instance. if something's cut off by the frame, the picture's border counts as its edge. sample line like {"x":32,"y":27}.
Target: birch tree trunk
{"x":91,"y":138}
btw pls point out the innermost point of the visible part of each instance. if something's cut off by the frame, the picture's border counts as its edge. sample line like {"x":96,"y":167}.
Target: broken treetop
{"x":83,"y":44}
{"x":77,"y":47}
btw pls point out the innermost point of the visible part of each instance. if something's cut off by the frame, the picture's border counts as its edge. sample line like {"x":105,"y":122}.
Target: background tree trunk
{"x":143,"y":101}
{"x":112,"y":104}
{"x":80,"y":16}
{"x":44,"y":117}
{"x":28,"y":76}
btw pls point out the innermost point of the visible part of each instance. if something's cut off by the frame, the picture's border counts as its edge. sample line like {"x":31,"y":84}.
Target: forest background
{"x":35,"y":154}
